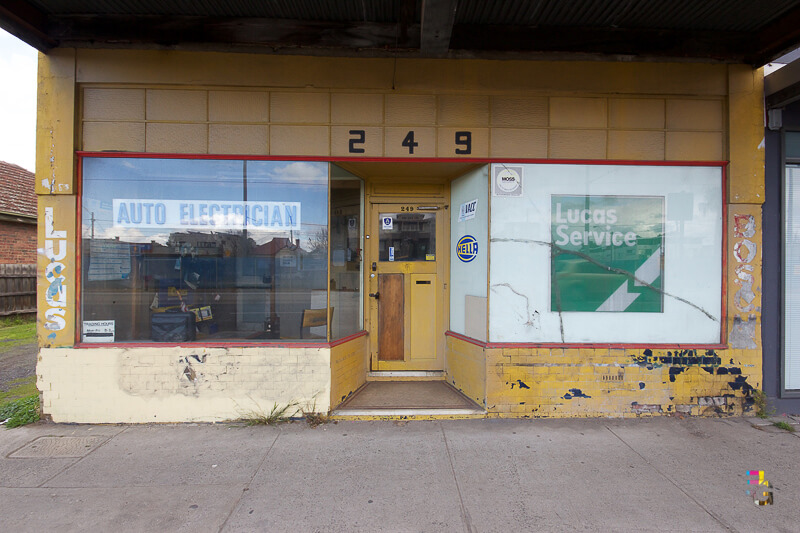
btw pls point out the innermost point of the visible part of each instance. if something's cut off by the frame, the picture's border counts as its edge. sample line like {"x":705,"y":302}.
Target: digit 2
{"x":360,"y":138}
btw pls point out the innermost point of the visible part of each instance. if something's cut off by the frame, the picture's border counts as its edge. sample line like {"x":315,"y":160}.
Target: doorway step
{"x":408,"y":399}
{"x":406,"y":375}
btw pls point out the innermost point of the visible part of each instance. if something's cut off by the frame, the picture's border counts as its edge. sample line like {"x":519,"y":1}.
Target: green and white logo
{"x":607,"y":253}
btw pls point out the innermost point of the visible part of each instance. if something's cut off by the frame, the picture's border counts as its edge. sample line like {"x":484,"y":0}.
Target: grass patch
{"x":20,"y":412}
{"x":784,"y":426}
{"x":16,"y":330}
{"x":19,"y":388}
{"x":279,"y":414}
{"x":16,"y":320}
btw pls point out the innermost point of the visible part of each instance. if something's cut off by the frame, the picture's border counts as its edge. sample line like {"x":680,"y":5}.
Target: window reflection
{"x":177,"y":250}
{"x":407,"y":237}
{"x":345,"y":267}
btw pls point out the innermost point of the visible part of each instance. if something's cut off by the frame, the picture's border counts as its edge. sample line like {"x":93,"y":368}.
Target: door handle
{"x":376,"y":295}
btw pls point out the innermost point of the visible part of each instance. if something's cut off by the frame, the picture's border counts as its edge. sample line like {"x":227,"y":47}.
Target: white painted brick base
{"x":176,"y":384}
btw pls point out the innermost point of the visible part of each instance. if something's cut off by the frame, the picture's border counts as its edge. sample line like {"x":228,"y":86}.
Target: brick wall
{"x":17,"y":243}
{"x":137,"y":385}
{"x":618,"y":382}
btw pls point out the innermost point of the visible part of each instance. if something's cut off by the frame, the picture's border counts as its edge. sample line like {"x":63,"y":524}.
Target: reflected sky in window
{"x":107,"y":179}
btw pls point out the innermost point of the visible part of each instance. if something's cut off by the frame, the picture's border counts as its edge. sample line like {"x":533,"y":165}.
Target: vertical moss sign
{"x":607,"y":253}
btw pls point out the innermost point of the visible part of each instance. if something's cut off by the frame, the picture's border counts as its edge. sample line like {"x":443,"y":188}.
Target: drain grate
{"x":58,"y":447}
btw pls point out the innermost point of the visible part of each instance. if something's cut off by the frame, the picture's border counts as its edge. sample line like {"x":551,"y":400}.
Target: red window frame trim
{"x":722,"y":165}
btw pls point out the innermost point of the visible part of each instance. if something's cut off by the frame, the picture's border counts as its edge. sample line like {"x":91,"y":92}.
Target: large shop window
{"x":177,"y":250}
{"x":628,"y":254}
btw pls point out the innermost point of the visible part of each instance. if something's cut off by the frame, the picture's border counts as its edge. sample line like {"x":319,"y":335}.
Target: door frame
{"x":373,"y":206}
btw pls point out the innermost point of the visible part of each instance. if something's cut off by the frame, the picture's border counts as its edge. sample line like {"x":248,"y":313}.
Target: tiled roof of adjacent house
{"x":17,"y":190}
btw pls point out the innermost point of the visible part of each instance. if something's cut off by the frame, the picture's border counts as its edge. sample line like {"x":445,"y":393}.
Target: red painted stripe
{"x":464,"y":338}
{"x":605,"y":346}
{"x":349,"y":338}
{"x":723,"y":326}
{"x":334,"y":159}
{"x":229,"y":344}
{"x":200,"y":344}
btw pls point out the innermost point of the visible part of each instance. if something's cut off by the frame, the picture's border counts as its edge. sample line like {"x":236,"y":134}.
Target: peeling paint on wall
{"x":56,"y":271}
{"x":575,"y":393}
{"x":742,"y":334}
{"x":679,"y":357}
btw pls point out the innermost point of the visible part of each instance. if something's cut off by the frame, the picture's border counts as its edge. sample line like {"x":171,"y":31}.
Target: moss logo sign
{"x":607,"y":253}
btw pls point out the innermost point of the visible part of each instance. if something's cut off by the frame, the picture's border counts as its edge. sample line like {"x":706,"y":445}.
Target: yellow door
{"x":406,"y":272}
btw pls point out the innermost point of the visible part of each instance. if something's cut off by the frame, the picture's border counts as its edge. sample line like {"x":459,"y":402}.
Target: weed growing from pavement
{"x":760,"y":403}
{"x":313,"y":418}
{"x":20,"y":412}
{"x":784,"y":426}
{"x":279,"y":414}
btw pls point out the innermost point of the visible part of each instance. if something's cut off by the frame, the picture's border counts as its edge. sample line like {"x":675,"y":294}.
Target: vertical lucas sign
{"x":607,"y":253}
{"x":55,"y":250}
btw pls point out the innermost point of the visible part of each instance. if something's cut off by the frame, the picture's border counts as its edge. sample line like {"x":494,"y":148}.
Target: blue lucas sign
{"x":467,"y":248}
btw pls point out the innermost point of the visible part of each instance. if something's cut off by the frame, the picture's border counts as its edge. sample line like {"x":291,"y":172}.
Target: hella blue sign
{"x":467,"y":248}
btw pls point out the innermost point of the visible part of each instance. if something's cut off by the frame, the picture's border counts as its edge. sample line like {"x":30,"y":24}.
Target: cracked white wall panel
{"x":469,"y":278}
{"x":521,"y":256}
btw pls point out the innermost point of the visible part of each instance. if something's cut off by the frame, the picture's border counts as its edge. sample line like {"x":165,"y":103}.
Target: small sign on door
{"x":468,"y":210}
{"x":386,"y":223}
{"x":391,"y":253}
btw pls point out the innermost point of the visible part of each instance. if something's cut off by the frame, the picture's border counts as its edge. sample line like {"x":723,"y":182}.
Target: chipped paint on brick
{"x":745,"y":274}
{"x":180,"y":384}
{"x":575,"y":393}
{"x":743,"y":332}
{"x":56,"y":271}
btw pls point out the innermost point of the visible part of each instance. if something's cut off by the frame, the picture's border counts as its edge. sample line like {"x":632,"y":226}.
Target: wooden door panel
{"x":390,"y":317}
{"x":422,"y":326}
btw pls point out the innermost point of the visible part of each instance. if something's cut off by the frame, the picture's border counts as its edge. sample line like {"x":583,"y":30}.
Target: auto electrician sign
{"x":607,"y":253}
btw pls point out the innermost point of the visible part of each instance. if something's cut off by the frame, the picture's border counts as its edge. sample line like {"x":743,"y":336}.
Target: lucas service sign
{"x":607,"y":253}
{"x":266,"y":216}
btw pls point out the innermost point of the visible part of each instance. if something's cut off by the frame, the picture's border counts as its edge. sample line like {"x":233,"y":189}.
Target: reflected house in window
{"x":242,"y":245}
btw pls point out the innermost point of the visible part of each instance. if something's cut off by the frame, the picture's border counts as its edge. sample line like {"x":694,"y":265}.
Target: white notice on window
{"x":109,"y":260}
{"x":98,"y":331}
{"x":468,"y":210}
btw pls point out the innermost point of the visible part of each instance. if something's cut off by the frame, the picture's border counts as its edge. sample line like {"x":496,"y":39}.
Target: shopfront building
{"x":221,"y":233}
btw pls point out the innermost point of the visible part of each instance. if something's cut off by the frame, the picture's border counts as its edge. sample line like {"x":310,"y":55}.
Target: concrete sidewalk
{"x":659,"y":474}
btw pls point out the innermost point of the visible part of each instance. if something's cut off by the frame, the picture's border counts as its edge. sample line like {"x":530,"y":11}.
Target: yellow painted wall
{"x":55,"y":123}
{"x":164,"y":102}
{"x":618,"y":382}
{"x":466,"y":369}
{"x":199,"y":103}
{"x":348,"y":368}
